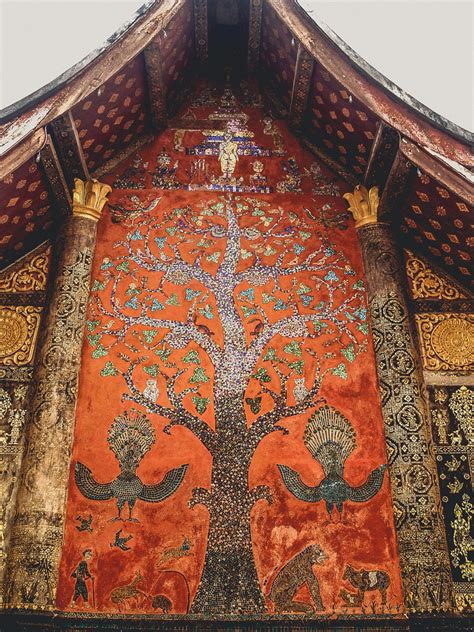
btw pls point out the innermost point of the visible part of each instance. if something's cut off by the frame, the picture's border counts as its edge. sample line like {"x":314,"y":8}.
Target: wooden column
{"x":421,"y":540}
{"x":37,"y":532}
{"x":301,"y":87}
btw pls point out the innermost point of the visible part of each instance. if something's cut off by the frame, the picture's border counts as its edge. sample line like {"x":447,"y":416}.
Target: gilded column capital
{"x":363,"y":204}
{"x":89,"y":198}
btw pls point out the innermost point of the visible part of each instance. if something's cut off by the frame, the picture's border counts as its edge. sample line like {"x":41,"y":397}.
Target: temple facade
{"x":236,"y":337}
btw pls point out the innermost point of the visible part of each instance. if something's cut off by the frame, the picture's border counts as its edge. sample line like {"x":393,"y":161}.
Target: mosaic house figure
{"x":236,"y":337}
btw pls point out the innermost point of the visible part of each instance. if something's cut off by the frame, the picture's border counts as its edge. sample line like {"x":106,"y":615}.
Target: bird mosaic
{"x":130,"y":437}
{"x":331,"y":439}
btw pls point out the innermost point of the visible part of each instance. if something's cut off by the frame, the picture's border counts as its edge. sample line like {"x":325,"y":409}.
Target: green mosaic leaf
{"x":109,"y":370}
{"x":97,"y":285}
{"x":94,"y":338}
{"x":303,"y":289}
{"x":297,"y":366}
{"x":268,"y":298}
{"x":92,"y":324}
{"x":304,"y":235}
{"x":153,"y":370}
{"x":164,"y":354}
{"x":364,"y":328}
{"x":199,"y":376}
{"x":262,"y":375}
{"x":341,"y":371}
{"x":149,"y":335}
{"x":258,"y":212}
{"x":358,"y":285}
{"x":124,"y":266}
{"x":293,"y":347}
{"x":173,"y":300}
{"x":99,"y":351}
{"x":248,"y":311}
{"x":214,"y":256}
{"x":349,"y":352}
{"x":254,"y":403}
{"x":271,"y":354}
{"x":200,"y":403}
{"x":192,"y":356}
{"x":171,"y":230}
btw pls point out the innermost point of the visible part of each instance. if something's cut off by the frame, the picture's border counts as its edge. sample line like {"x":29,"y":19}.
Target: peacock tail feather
{"x":330,"y":438}
{"x":130,"y":437}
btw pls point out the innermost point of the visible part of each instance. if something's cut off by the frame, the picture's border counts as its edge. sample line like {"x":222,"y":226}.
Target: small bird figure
{"x":331,"y":439}
{"x":85,"y":523}
{"x":120,"y":542}
{"x":130,"y":437}
{"x":151,"y":390}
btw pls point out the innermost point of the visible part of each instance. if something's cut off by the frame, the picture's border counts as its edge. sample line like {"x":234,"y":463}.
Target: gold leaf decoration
{"x":425,"y":283}
{"x":29,"y":275}
{"x":18,"y":332}
{"x":461,"y":404}
{"x":447,"y":341}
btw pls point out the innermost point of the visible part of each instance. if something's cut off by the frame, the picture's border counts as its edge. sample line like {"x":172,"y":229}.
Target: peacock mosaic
{"x":229,"y":456}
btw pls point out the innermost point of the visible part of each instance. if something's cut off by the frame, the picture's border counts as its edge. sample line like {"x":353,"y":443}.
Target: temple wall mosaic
{"x":227,"y":380}
{"x":22,"y":297}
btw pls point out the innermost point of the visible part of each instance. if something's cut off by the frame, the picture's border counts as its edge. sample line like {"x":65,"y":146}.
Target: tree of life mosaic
{"x":229,"y":455}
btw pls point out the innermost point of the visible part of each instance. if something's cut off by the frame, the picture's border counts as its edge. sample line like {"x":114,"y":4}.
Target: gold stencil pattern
{"x":30,"y":275}
{"x":18,"y":332}
{"x":425,"y":283}
{"x":447,"y":341}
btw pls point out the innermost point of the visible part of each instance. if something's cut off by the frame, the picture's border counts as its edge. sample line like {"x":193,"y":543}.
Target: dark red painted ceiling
{"x":278,"y":57}
{"x":114,"y":115}
{"x":25,"y":212}
{"x":440,"y":223}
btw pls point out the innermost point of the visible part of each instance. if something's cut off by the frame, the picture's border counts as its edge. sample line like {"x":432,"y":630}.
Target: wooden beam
{"x":382,"y":154}
{"x":301,"y":87}
{"x":393,"y":195}
{"x":450,"y":178}
{"x":69,"y":149}
{"x":105,"y":65}
{"x":156,"y":89}
{"x":201,"y":31}
{"x":53,"y":172}
{"x":23,"y":152}
{"x":255,"y":29}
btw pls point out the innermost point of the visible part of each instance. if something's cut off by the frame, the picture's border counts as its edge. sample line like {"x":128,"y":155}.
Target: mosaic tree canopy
{"x":220,"y":325}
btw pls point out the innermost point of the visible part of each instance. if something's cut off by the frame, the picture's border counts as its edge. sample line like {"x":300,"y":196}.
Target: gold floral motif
{"x":461,"y":404}
{"x":18,"y":332}
{"x":363,"y":204}
{"x":425,"y":283}
{"x":447,"y":341}
{"x":30,"y":275}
